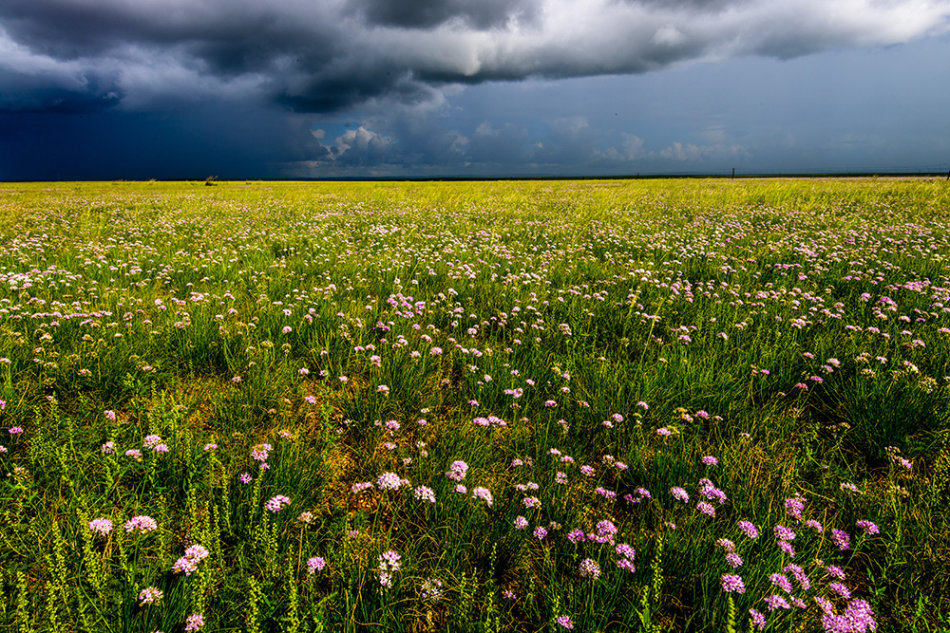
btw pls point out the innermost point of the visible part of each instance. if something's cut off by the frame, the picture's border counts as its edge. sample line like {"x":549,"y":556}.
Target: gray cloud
{"x":475,"y":14}
{"x":329,"y":56}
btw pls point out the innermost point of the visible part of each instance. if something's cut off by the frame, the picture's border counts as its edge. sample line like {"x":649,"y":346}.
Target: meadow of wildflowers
{"x":539,"y":406}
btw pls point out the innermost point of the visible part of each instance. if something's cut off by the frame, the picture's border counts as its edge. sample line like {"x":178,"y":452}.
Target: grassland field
{"x":646,"y":405}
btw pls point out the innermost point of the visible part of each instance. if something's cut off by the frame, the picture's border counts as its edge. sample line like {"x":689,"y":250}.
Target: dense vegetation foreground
{"x":600,"y":406}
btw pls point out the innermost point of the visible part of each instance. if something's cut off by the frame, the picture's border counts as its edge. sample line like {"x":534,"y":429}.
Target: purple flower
{"x":732,"y":583}
{"x":100,"y":526}
{"x":783,"y":533}
{"x":194,"y":622}
{"x":605,"y":532}
{"x":424,"y":493}
{"x":869,"y":528}
{"x":389,"y":481}
{"x":564,"y":622}
{"x":758,"y":620}
{"x":189,"y":562}
{"x":389,"y":562}
{"x":835,"y":572}
{"x":16,"y":430}
{"x":259,"y":452}
{"x":150,"y":595}
{"x":589,"y":569}
{"x":540,"y":533}
{"x":142,"y":524}
{"x":457,"y":471}
{"x":245,"y":478}
{"x":734,"y":560}
{"x":799,"y":574}
{"x":726,"y":544}
{"x":531,"y":502}
{"x":626,"y":551}
{"x":709,"y":491}
{"x":679,"y":494}
{"x":782,"y":582}
{"x":521,"y":523}
{"x":576,"y":536}
{"x":794,"y":507}
{"x":277,"y":503}
{"x":315,"y":564}
{"x":841,"y":539}
{"x":749,"y":529}
{"x":776,"y":601}
{"x":151,"y":441}
{"x":857,"y":618}
{"x":706,"y":508}
{"x":626,"y":564}
{"x":709,"y":460}
{"x":840,"y":589}
{"x":484,"y":494}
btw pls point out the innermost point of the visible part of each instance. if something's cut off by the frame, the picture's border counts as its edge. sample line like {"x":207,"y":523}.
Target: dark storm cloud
{"x":84,"y":92}
{"x":328,"y":56}
{"x":477,"y":14}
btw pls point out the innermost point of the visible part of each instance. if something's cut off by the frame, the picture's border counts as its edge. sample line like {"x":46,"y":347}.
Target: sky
{"x":252,"y":89}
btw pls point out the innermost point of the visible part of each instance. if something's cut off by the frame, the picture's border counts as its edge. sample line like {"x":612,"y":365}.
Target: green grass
{"x":370,"y":328}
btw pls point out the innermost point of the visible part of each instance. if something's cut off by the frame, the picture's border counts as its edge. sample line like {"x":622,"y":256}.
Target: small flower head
{"x":424,"y":493}
{"x":315,"y":564}
{"x":194,"y":622}
{"x":389,"y":481}
{"x":277,"y":503}
{"x":794,"y":507}
{"x":484,"y":494}
{"x":457,"y":471}
{"x":259,"y":452}
{"x":782,"y":582}
{"x":776,"y":601}
{"x":731,"y":583}
{"x":841,"y":539}
{"x":589,"y":569}
{"x":758,"y":620}
{"x":141,"y":524}
{"x":783,"y":533}
{"x":100,"y":526}
{"x":150,"y":595}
